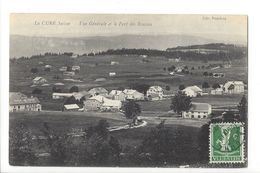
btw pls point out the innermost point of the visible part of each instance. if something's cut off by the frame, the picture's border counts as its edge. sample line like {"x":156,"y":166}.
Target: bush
{"x":74,"y":89}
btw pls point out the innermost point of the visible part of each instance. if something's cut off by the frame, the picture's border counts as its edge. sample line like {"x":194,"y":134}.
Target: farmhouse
{"x":39,"y":80}
{"x":69,"y":73}
{"x":19,"y":102}
{"x":117,"y":95}
{"x":98,"y":91}
{"x":192,"y":91}
{"x":100,"y":80}
{"x":101,"y":103}
{"x":63,"y":68}
{"x":71,"y":107}
{"x":114,"y":63}
{"x":111,"y":74}
{"x":133,"y":94}
{"x":155,"y":93}
{"x":198,"y":110}
{"x":47,"y":66}
{"x":234,"y":87}
{"x":75,"y":68}
{"x":92,"y":104}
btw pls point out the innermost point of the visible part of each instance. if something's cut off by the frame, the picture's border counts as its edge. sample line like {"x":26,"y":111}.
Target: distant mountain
{"x":28,"y":46}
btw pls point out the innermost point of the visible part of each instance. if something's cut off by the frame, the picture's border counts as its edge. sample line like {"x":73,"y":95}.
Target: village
{"x":101,"y":99}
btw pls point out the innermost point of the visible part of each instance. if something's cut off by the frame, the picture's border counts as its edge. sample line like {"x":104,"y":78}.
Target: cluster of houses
{"x":230,"y":87}
{"x":100,"y":99}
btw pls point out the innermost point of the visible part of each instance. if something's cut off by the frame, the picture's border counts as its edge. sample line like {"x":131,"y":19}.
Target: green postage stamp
{"x":226,"y":143}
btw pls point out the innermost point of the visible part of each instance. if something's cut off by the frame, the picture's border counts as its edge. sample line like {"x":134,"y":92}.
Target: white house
{"x":155,"y":93}
{"x":100,"y":102}
{"x":133,"y":94}
{"x":192,"y":91}
{"x":75,"y":68}
{"x":39,"y":80}
{"x":63,"y":68}
{"x":114,"y":63}
{"x":111,"y":74}
{"x":19,"y":102}
{"x":47,"y":66}
{"x":234,"y":87}
{"x":198,"y":110}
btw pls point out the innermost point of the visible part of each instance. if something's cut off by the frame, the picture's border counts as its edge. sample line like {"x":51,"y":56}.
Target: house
{"x":71,"y":107}
{"x":234,"y":87}
{"x":192,"y":91}
{"x":98,"y":91}
{"x":47,"y":66}
{"x":131,"y":94}
{"x":100,"y":79}
{"x":155,"y":93}
{"x":114,"y":63}
{"x":198,"y":110}
{"x":19,"y":102}
{"x":111,"y":74}
{"x":75,"y":68}
{"x":100,"y":102}
{"x":69,"y":73}
{"x":91,"y":104}
{"x":59,"y":84}
{"x":63,"y":68}
{"x":117,"y":95}
{"x":39,"y":80}
{"x":61,"y":95}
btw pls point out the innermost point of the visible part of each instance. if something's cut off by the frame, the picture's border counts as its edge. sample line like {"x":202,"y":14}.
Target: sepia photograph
{"x":128,"y":90}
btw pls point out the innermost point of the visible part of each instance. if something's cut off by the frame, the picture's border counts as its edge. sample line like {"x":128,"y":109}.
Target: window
{"x":204,"y":116}
{"x":192,"y":116}
{"x":18,"y":106}
{"x":198,"y":116}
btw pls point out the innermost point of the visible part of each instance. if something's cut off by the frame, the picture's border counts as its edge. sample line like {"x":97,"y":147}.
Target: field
{"x":130,"y":70}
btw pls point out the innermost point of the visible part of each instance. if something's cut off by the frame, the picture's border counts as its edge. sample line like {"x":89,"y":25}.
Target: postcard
{"x":128,"y":90}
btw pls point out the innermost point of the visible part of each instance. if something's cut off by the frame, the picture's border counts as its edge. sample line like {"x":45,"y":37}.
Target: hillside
{"x":28,"y":46}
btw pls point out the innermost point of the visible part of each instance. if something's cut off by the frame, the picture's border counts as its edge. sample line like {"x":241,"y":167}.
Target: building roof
{"x":38,"y":78}
{"x":62,"y":94}
{"x":98,"y":98}
{"x":17,"y":98}
{"x":195,"y":88}
{"x":79,"y":95}
{"x":71,"y":106}
{"x":200,"y":107}
{"x":97,"y":90}
{"x":156,"y":88}
{"x":129,"y":91}
{"x":59,"y":84}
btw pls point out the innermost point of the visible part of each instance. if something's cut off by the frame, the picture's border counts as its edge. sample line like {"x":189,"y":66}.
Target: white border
{"x":250,"y":8}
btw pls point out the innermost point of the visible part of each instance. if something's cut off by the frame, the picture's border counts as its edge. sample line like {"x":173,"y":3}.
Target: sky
{"x":218,"y":27}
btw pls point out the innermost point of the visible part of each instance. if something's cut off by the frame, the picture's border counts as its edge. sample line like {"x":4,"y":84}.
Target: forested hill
{"x":211,"y":46}
{"x":218,"y":51}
